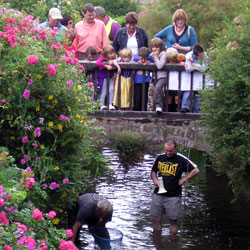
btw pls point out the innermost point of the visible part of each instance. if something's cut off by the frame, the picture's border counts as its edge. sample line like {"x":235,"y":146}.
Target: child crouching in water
{"x":108,"y":55}
{"x":126,"y":56}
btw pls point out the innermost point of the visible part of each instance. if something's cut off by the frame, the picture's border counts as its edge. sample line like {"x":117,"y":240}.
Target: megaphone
{"x":162,"y":189}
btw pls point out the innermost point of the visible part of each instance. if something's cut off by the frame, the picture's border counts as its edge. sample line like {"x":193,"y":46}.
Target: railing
{"x":177,"y":80}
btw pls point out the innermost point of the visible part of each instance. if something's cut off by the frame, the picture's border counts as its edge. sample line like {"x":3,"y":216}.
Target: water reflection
{"x":210,"y":220}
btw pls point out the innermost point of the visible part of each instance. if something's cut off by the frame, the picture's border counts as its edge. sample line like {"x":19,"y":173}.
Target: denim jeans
{"x":186,"y":101}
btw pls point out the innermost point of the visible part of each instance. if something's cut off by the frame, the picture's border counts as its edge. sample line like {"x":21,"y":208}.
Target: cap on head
{"x":55,"y":13}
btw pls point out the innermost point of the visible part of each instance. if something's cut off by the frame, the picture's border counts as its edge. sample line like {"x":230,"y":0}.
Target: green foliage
{"x":207,"y":17}
{"x":114,"y":8}
{"x":129,"y":145}
{"x":226,"y":109}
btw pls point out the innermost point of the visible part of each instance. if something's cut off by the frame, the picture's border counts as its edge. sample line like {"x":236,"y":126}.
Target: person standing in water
{"x":169,"y":166}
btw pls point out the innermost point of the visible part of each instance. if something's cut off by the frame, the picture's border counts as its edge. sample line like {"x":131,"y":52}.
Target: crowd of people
{"x":97,"y":37}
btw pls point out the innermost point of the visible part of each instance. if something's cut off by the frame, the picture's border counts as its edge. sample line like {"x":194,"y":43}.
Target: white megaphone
{"x":162,"y":189}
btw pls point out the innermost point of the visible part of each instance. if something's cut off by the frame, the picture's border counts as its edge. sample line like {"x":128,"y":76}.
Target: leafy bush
{"x":23,"y":225}
{"x":130,"y":146}
{"x":226,"y":109}
{"x":44,"y":106}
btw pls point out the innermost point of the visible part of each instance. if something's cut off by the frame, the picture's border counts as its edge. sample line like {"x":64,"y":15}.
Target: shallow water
{"x":210,"y":221}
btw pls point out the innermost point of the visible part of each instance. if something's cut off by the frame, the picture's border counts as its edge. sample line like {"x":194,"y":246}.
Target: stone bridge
{"x":186,"y":129}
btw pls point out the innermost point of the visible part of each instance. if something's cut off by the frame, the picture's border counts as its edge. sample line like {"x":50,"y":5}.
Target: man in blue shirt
{"x":53,"y":21}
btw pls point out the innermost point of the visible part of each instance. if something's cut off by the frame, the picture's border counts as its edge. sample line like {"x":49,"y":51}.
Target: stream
{"x":210,"y":221}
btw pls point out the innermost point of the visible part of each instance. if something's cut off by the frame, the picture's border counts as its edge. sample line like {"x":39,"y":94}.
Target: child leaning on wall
{"x":125,"y":56}
{"x":174,"y":57}
{"x":159,"y":79}
{"x":143,"y":58}
{"x":108,"y":57}
{"x":197,"y":61}
{"x":91,"y":56}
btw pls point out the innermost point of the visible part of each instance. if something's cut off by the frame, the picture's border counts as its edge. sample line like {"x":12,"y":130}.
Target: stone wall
{"x":187,"y":133}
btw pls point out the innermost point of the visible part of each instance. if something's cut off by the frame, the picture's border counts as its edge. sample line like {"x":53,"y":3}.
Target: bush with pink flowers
{"x":44,"y":115}
{"x":22,"y":224}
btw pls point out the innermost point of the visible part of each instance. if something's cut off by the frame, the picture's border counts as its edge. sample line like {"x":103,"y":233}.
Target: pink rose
{"x":91,"y":84}
{"x":37,"y":132}
{"x":52,"y":214}
{"x":62,"y":117}
{"x":25,"y":139}
{"x":22,"y":162}
{"x":65,"y":181}
{"x":26,"y":94}
{"x":32,"y":59}
{"x":54,"y":185}
{"x":1,"y":202}
{"x":37,"y":215}
{"x":7,"y":247}
{"x":69,"y":233}
{"x":29,"y":183}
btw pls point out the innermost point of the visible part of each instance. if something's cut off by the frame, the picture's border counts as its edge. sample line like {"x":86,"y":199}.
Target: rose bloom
{"x":3,"y":218}
{"x":65,"y":181}
{"x":69,"y":233}
{"x":67,"y":245}
{"x":22,"y":161}
{"x":54,"y":185}
{"x":7,"y":247}
{"x":37,"y":132}
{"x":37,"y":215}
{"x":91,"y":84}
{"x":25,"y":139}
{"x":52,"y":214}
{"x":29,"y":183}
{"x":32,"y":59}
{"x":62,"y":117}
{"x":22,"y":227}
{"x":43,"y":245}
{"x":26,"y":94}
{"x":1,"y":202}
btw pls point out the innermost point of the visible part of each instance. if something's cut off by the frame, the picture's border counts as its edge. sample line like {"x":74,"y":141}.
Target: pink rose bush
{"x":44,"y":102}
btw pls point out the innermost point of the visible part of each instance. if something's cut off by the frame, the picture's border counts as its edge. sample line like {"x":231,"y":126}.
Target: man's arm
{"x":75,"y":229}
{"x":154,"y":178}
{"x":190,"y":176}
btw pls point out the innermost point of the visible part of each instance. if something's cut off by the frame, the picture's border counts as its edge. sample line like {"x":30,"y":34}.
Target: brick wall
{"x":187,"y":133}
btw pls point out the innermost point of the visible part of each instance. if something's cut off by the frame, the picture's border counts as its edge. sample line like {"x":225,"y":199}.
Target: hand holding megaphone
{"x":162,"y":189}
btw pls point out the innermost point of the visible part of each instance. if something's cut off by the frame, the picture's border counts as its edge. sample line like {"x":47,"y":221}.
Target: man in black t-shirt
{"x":93,"y":210}
{"x":169,"y":168}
